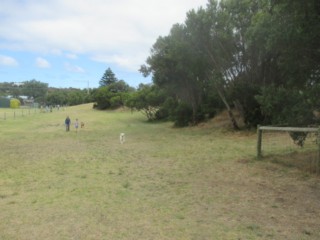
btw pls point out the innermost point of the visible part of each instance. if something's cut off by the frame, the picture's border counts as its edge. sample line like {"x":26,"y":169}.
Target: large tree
{"x":111,"y":96}
{"x":178,"y":68}
{"x":290,"y":31}
{"x":108,"y":78}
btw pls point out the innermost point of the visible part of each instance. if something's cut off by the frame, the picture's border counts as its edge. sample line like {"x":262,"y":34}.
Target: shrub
{"x":15,"y":103}
{"x":182,"y":115}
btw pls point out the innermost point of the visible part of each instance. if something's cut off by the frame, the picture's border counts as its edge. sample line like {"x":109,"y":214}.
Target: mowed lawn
{"x":162,"y":183}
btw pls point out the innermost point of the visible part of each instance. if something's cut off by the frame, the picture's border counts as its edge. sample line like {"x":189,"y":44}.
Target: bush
{"x":102,"y":98}
{"x":183,"y":115}
{"x":14,"y":103}
{"x":167,"y":109}
{"x":116,"y":101}
{"x":247,"y":103}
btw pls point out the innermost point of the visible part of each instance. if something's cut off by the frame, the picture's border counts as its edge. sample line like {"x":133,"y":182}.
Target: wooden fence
{"x":307,"y":130}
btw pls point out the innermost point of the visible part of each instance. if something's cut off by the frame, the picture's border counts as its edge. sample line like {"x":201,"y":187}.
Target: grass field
{"x":162,"y":183}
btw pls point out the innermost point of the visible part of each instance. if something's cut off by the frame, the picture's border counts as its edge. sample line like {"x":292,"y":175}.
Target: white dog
{"x":122,"y":138}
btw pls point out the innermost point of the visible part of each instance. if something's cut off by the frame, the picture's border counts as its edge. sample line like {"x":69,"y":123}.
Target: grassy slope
{"x":163,"y":183}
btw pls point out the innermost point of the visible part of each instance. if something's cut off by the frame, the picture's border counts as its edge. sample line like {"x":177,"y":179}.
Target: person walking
{"x":76,"y":125}
{"x":67,"y":122}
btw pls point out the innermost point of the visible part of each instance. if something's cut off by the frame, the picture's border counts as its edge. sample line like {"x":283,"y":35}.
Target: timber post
{"x":259,"y":141}
{"x":318,"y":158}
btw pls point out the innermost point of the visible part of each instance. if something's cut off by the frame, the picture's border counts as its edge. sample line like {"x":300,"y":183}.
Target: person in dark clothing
{"x":67,"y":122}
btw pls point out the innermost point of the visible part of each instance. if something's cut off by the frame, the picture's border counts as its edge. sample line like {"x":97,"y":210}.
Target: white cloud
{"x":116,"y":30}
{"x":8,"y":61}
{"x":131,"y":62}
{"x":73,"y":68}
{"x":42,"y":63}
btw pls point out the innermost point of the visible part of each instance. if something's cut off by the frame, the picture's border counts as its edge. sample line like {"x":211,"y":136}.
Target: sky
{"x":70,"y":43}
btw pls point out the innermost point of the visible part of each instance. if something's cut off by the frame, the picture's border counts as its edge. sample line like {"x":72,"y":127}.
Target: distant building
{"x":29,"y":102}
{"x":4,"y":102}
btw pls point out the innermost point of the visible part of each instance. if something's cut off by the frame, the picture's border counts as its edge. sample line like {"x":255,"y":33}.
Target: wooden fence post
{"x":259,"y":141}
{"x":318,"y":158}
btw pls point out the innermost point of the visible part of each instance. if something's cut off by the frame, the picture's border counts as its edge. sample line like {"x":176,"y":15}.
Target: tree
{"x":147,"y":99}
{"x":67,"y":96}
{"x":196,"y":58}
{"x":56,"y":97}
{"x":35,"y":89}
{"x":286,"y":107}
{"x":291,"y":33}
{"x":119,"y":86}
{"x":112,"y":96}
{"x":219,"y":34}
{"x":102,"y":97}
{"x":178,"y":68}
{"x":76,"y":97}
{"x":108,"y":78}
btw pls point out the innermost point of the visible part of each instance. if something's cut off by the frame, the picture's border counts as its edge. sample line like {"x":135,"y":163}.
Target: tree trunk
{"x":239,"y":108}
{"x":231,"y":116}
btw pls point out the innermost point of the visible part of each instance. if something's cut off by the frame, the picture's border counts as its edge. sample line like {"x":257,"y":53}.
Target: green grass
{"x":162,"y":183}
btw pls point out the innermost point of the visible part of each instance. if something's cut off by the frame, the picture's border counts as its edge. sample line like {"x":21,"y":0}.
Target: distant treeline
{"x":44,"y":95}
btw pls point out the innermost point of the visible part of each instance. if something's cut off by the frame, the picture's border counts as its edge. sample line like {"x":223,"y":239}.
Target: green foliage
{"x":119,"y":87}
{"x":116,"y":101}
{"x":102,"y":97}
{"x":35,"y":89}
{"x":237,"y":48}
{"x":112,"y":96}
{"x":112,"y":92}
{"x":183,"y":115}
{"x":298,"y":137}
{"x":287,"y":107}
{"x":57,"y":97}
{"x":211,"y":104}
{"x":247,"y":103}
{"x":167,"y":109}
{"x":147,"y":99}
{"x":108,"y":78}
{"x":178,"y":68}
{"x":75,"y":98}
{"x":69,"y":96}
{"x":14,"y":103}
{"x":41,"y":93}
{"x":5,"y":88}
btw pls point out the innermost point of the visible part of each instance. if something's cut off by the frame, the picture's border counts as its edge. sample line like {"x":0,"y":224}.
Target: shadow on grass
{"x":307,"y":162}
